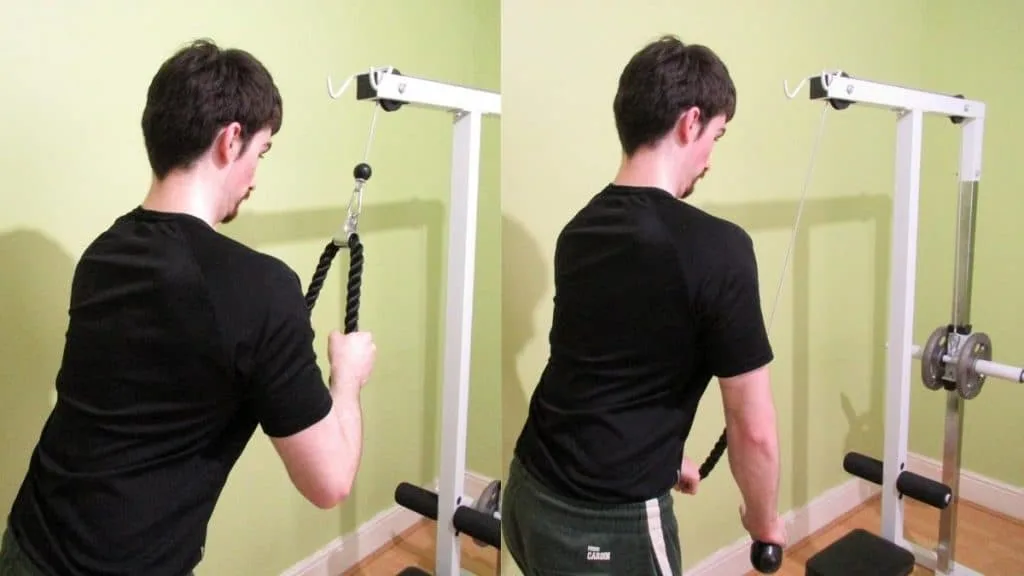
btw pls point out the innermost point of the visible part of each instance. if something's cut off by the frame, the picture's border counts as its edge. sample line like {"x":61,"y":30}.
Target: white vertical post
{"x":903,"y":268}
{"x":462,"y":226}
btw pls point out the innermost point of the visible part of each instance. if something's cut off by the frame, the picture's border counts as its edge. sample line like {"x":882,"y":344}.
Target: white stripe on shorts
{"x":657,"y":536}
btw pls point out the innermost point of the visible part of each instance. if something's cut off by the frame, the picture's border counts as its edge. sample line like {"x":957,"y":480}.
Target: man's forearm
{"x":754,"y":460}
{"x":350,"y":421}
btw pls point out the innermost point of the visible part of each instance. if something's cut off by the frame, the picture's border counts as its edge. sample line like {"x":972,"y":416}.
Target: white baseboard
{"x":981,"y":490}
{"x":823,"y":510}
{"x":345,"y":552}
{"x":800,"y":523}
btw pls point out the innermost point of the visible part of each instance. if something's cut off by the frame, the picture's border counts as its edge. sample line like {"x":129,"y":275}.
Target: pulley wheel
{"x":932,"y":366}
{"x":977,"y":346}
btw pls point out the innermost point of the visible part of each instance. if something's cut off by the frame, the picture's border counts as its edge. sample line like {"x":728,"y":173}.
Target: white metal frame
{"x":911,"y":106}
{"x":468,"y":106}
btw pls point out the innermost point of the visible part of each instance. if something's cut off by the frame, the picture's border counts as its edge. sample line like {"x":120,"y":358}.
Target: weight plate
{"x":932,"y":366}
{"x":977,"y":346}
{"x":490,"y":498}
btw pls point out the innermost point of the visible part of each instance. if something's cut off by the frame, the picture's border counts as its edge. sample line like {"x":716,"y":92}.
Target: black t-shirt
{"x":180,"y":343}
{"x":653,"y":297}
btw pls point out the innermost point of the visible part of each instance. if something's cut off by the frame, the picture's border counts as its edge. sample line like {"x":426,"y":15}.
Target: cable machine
{"x":390,"y":90}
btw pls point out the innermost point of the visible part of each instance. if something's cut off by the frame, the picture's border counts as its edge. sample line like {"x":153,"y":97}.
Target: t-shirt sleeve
{"x":287,"y":386}
{"x":734,"y":336}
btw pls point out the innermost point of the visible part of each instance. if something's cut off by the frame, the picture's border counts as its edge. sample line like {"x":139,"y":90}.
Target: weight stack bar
{"x":932,"y":493}
{"x":474,"y":523}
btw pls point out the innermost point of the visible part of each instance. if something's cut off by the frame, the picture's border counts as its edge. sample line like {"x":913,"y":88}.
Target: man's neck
{"x":648,"y":169}
{"x":182,"y":194}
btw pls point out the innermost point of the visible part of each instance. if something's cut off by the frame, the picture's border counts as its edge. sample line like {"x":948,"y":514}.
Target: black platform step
{"x":413,"y":571}
{"x":861,"y":553}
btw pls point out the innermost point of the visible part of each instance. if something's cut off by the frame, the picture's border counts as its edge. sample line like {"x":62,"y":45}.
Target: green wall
{"x":559,"y":148}
{"x":972,"y":50}
{"x":72,"y":158}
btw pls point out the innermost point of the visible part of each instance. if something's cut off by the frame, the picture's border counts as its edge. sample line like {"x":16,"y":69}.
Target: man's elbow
{"x":761,"y":436}
{"x":327,"y":487}
{"x":756,"y":430}
{"x":328,"y":501}
{"x":330,"y":495}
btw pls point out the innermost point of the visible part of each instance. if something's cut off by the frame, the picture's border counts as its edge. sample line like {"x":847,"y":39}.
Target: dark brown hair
{"x":663,"y":80}
{"x":195,"y":93}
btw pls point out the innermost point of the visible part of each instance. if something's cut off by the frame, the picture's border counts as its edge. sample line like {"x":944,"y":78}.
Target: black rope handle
{"x":355,"y":283}
{"x":713,"y":457}
{"x":361,"y":173}
{"x":322,"y":268}
{"x":355,"y":279}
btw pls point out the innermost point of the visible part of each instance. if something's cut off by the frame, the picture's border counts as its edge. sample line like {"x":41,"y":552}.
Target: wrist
{"x":764,"y":523}
{"x":344,"y":389}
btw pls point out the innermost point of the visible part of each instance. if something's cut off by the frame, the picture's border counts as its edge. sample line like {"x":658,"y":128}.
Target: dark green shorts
{"x":549,"y":535}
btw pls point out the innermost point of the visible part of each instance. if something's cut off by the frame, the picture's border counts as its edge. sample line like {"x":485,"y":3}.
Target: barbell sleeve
{"x":986,"y":368}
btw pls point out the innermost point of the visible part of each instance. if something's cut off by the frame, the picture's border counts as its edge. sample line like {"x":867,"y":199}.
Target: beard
{"x":230,"y":216}
{"x":689,"y":190}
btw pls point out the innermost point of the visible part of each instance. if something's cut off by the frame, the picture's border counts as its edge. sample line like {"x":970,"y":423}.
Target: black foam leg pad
{"x":413,"y":571}
{"x":861,"y":553}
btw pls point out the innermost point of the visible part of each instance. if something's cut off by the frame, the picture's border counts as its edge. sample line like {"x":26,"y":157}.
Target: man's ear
{"x":228,"y":144}
{"x":688,"y":127}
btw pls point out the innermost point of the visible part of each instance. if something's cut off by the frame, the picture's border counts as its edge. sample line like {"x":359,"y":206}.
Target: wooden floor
{"x":986,"y":542}
{"x":415,"y":547}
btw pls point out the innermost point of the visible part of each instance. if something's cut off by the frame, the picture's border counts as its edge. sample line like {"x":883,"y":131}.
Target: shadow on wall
{"x":37,"y":275}
{"x":526,"y":273}
{"x":525,"y":276}
{"x":264,"y":229}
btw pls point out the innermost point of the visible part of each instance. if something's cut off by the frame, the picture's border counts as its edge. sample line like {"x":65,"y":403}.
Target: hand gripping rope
{"x":348,"y":237}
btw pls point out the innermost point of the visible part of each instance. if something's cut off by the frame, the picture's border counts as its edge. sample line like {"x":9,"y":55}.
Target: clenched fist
{"x":689,"y":477}
{"x":352,"y":357}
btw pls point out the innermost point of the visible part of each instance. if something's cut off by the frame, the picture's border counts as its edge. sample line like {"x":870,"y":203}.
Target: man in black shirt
{"x":180,"y":343}
{"x":653,"y":298}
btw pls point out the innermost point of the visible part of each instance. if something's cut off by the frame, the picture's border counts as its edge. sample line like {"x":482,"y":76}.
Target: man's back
{"x":639,"y":277}
{"x":166,"y":373}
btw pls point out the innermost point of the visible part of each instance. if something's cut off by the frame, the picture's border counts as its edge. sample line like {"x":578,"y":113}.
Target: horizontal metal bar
{"x":984,"y":367}
{"x":835,"y":86}
{"x":427,"y":93}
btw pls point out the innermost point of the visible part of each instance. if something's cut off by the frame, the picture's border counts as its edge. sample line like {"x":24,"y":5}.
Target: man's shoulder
{"x":246,"y":256}
{"x":253,"y":270}
{"x":692,"y":230}
{"x":712,"y":223}
{"x":206,"y":244}
{"x":228,"y":266}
